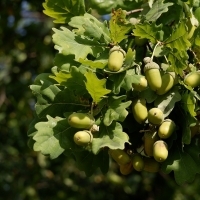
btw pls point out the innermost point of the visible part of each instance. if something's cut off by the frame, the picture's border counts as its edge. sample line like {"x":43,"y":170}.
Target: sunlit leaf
{"x":119,"y":27}
{"x":109,"y":136}
{"x":89,"y":26}
{"x":95,"y":87}
{"x":148,"y":31}
{"x":63,"y":11}
{"x":157,"y":9}
{"x":67,"y":42}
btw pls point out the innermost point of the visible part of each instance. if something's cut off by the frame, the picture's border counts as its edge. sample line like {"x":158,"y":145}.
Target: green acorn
{"x":139,"y":110}
{"x":142,"y":85}
{"x":116,"y":58}
{"x":151,"y":165}
{"x":81,"y":120}
{"x":193,"y":79}
{"x":149,"y":139}
{"x":166,"y":129}
{"x":138,"y":162}
{"x":120,"y":156}
{"x":126,"y":169}
{"x":83,"y":137}
{"x":160,"y":151}
{"x":153,"y":76}
{"x":169,"y":79}
{"x":155,"y":116}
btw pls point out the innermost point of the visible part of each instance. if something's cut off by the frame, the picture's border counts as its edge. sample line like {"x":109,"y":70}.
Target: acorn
{"x":155,"y":116}
{"x":153,"y":76}
{"x":83,"y":137}
{"x":149,"y":139}
{"x":140,"y":41}
{"x":166,"y":129}
{"x":126,"y":169}
{"x":142,"y":85}
{"x":193,"y":79}
{"x":138,"y":162}
{"x":139,"y":110}
{"x":81,"y":120}
{"x":169,"y":79}
{"x":116,"y":58}
{"x":160,"y":151}
{"x":120,"y":156}
{"x":151,"y":165}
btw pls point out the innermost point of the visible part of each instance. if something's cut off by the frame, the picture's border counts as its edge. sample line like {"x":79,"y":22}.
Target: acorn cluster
{"x":82,"y":121}
{"x":154,"y":149}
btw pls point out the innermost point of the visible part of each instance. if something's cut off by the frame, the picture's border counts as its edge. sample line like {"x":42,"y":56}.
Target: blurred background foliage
{"x":26,"y":50}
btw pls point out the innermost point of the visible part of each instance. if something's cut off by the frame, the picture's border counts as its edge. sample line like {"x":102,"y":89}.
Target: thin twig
{"x":134,"y":11}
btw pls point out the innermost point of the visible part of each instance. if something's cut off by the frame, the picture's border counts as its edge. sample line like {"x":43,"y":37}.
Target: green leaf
{"x":88,"y":162}
{"x":178,"y":60}
{"x":89,"y":26}
{"x":95,"y":87}
{"x":116,"y":109}
{"x":60,"y":76}
{"x":149,"y":95}
{"x":188,"y":102}
{"x":185,"y":164}
{"x":129,"y":79}
{"x":75,"y":81}
{"x":167,"y":101}
{"x":117,"y":81}
{"x":178,"y":39}
{"x":53,"y":101}
{"x":119,"y":27}
{"x":63,"y":11}
{"x":64,"y":62}
{"x":148,"y":31}
{"x":111,"y":136}
{"x":54,"y":136}
{"x":99,"y":63}
{"x":67,"y":42}
{"x":157,"y":9}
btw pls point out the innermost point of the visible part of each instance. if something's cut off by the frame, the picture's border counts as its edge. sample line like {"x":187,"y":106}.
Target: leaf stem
{"x":134,"y":11}
{"x":158,"y":43}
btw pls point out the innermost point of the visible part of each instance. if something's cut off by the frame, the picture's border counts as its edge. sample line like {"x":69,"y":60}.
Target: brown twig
{"x":134,"y":11}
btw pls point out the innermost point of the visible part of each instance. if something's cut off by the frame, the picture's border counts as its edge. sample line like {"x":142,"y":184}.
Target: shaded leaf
{"x":88,"y":162}
{"x":116,"y":109}
{"x":53,"y":101}
{"x":185,"y":164}
{"x":167,"y":101}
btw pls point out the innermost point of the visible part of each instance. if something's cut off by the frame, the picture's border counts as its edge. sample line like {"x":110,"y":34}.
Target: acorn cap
{"x":151,"y":65}
{"x":117,"y":48}
{"x":175,"y":77}
{"x":147,"y":60}
{"x":161,"y":141}
{"x":140,"y":100}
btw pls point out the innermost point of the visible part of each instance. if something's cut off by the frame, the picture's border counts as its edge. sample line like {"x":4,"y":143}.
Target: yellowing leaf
{"x":119,"y":26}
{"x":95,"y":87}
